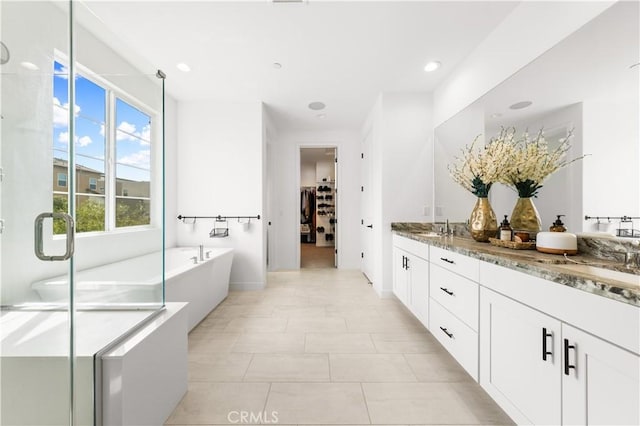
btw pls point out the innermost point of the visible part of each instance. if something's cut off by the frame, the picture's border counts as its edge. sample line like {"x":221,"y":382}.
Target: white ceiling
{"x":342,"y":53}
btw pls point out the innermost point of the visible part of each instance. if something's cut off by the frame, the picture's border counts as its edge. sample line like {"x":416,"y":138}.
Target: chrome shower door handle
{"x":39,"y":244}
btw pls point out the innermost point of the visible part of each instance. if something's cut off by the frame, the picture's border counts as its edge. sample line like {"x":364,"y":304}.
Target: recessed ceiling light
{"x":432,"y":66}
{"x":183,"y":67}
{"x":520,"y":105}
{"x":317,"y":106}
{"x":277,"y":65}
{"x":321,"y":116}
{"x":29,"y":65}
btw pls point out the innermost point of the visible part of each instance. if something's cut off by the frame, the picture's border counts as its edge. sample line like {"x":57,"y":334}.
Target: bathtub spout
{"x":201,"y":252}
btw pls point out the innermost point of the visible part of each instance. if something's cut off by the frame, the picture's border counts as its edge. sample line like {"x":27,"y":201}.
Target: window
{"x":62,"y":179}
{"x":108,"y":194}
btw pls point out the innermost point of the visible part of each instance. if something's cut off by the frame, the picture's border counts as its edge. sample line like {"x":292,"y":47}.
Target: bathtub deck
{"x":46,"y":334}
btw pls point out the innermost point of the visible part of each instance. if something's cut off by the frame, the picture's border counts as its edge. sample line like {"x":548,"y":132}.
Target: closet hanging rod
{"x":623,"y":218}
{"x":218,"y":217}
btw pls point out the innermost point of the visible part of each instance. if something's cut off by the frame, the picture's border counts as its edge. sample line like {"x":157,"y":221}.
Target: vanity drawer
{"x":455,"y":336}
{"x":456,"y":262}
{"x":456,"y":293}
{"x":411,"y":246}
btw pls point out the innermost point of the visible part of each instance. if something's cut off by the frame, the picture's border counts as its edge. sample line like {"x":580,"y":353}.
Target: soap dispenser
{"x":505,"y":230}
{"x":558,"y":226}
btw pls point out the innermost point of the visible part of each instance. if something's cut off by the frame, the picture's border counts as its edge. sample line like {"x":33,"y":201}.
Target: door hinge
{"x":362,"y":155}
{"x":362,"y":189}
{"x":336,"y":159}
{"x":362,"y":254}
{"x":336,"y":251}
{"x":361,"y":221}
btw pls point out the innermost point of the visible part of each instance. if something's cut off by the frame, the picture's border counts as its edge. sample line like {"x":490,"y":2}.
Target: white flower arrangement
{"x":477,"y":169}
{"x":531,"y":161}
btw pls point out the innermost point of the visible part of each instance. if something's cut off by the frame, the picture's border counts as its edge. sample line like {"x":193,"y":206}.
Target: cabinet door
{"x":600,"y":381}
{"x":520,"y":359}
{"x":418,"y":270}
{"x":400,"y":276}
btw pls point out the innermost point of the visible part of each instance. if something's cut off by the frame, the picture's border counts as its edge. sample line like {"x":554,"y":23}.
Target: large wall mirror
{"x":587,"y":84}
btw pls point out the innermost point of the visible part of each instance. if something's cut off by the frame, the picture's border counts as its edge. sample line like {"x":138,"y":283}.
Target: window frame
{"x":59,"y":180}
{"x":112,"y":93}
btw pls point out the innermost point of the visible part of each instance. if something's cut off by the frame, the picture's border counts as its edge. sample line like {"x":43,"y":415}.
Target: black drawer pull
{"x":450,"y":293}
{"x":445,"y":331}
{"x":404,"y":260}
{"x":545,"y":352}
{"x":567,"y":366}
{"x":447,"y":260}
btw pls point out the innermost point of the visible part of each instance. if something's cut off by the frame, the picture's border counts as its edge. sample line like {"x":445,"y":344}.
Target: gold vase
{"x":525,"y":217}
{"x":483,"y":223}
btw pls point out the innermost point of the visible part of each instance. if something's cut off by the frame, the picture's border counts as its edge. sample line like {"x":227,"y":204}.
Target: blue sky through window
{"x":132,"y":128}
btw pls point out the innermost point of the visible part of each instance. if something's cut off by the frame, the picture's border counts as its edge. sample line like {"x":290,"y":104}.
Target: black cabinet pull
{"x":450,"y":293}
{"x":445,"y":331}
{"x":404,"y":262}
{"x":567,"y":366}
{"x":447,"y":260}
{"x":544,"y":343}
{"x":370,"y":226}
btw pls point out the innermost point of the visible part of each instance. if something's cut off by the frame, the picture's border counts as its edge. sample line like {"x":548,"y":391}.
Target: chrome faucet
{"x":195,"y":259}
{"x":201,"y":252}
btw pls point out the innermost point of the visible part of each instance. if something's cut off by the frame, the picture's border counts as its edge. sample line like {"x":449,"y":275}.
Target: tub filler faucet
{"x":201,"y":252}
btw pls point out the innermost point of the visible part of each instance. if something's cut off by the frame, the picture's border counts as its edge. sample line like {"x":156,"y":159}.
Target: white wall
{"x":284,"y":232}
{"x":308,"y":174}
{"x":221,"y":172}
{"x":402,"y":161}
{"x":527,"y":32}
{"x":27,"y":111}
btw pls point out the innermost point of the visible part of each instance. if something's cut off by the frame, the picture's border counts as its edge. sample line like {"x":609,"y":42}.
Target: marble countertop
{"x":547,"y":266}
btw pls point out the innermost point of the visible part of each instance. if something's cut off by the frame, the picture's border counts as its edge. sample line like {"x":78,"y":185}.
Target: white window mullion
{"x":110,"y":166}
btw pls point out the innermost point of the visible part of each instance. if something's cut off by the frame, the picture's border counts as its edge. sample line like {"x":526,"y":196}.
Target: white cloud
{"x":61,"y":113}
{"x":84,"y":141}
{"x":63,"y":137}
{"x":129,"y":132}
{"x":138,"y":159}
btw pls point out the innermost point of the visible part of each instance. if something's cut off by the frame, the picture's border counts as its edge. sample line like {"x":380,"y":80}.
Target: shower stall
{"x":81,"y":185}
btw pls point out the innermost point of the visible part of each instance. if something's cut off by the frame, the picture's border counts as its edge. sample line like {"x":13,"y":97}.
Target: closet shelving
{"x":325,"y":213}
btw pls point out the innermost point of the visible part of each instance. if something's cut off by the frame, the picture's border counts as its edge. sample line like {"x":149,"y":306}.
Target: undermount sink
{"x":595,"y":271}
{"x":429,"y":234}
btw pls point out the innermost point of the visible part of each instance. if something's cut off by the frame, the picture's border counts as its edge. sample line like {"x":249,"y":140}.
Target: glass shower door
{"x":37,"y":347}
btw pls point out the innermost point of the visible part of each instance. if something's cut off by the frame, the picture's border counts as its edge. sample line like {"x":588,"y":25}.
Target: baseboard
{"x":246,"y":286}
{"x":386,"y":294}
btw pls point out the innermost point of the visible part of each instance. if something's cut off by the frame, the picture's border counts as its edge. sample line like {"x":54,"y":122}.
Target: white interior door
{"x":366,"y":208}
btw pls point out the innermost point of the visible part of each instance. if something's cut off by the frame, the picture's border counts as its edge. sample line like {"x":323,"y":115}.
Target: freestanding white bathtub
{"x":137,"y":282}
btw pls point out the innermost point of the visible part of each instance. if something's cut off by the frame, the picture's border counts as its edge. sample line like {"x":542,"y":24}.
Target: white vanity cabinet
{"x":520,"y":356}
{"x":411,"y":276}
{"x":603,"y":387}
{"x":540,"y":359}
{"x":453,"y":305}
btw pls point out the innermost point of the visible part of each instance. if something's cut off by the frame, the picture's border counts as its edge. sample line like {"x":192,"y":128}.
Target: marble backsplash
{"x":605,"y":247}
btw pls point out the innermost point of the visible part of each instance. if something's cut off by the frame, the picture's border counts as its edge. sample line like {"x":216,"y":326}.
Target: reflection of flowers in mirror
{"x":532,"y":161}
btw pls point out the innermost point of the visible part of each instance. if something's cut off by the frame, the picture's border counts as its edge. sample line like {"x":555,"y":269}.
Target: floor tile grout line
{"x":364,"y":399}
{"x":248,"y":367}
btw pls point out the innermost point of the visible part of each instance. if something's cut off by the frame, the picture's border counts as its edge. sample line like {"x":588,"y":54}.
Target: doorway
{"x":318,"y":208}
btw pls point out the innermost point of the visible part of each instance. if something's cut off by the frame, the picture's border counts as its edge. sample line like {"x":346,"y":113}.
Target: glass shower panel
{"x":36,"y":322}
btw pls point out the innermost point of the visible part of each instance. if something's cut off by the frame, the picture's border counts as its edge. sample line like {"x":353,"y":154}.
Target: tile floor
{"x":318,"y":346}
